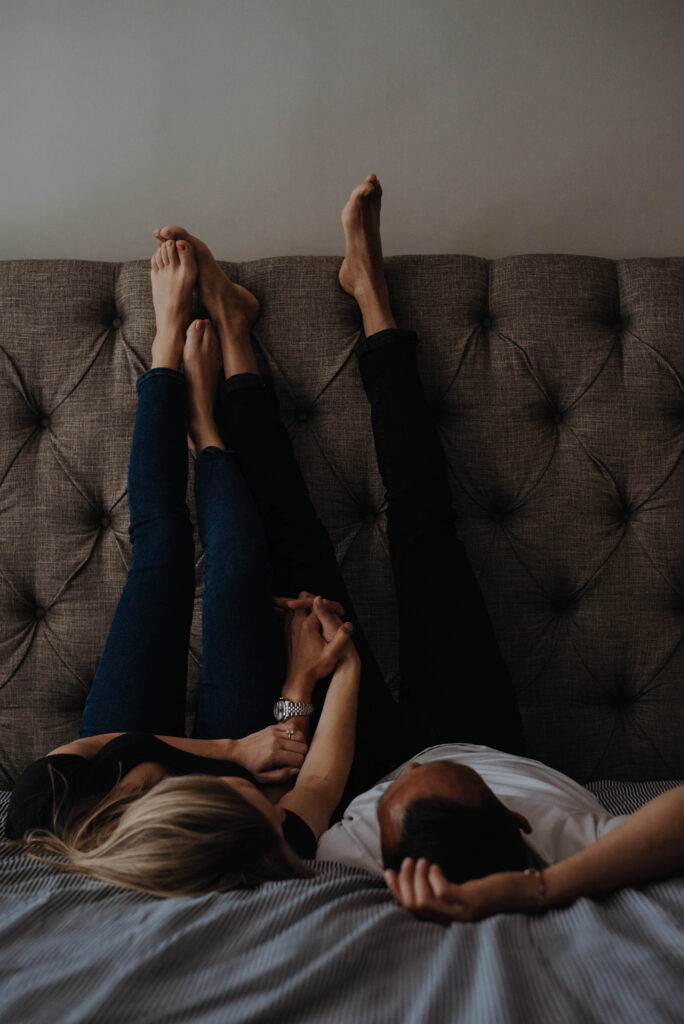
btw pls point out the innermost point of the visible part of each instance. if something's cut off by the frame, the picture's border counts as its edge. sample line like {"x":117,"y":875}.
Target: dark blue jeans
{"x":140,"y":684}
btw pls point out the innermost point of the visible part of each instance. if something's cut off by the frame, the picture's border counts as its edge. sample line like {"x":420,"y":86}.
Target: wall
{"x":495,"y":127}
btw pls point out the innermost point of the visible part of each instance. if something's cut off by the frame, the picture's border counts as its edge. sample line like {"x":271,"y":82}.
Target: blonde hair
{"x":186,"y":836}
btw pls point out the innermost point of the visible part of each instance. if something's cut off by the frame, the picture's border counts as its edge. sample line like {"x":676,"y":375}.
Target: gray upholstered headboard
{"x":556,"y":382}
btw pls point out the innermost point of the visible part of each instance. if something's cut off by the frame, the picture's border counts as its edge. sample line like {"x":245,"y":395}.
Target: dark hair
{"x":466,"y":842}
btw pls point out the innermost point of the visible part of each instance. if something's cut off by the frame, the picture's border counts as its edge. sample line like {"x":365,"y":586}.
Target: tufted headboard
{"x":556,"y":384}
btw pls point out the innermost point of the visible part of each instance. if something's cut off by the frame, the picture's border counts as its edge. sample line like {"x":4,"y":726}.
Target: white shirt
{"x":565,"y":817}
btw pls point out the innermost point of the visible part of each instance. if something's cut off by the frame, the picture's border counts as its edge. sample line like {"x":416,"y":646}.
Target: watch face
{"x":278,"y":711}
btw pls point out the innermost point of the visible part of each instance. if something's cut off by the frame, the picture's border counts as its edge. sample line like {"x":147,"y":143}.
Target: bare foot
{"x":203,"y":369}
{"x":174,"y":274}
{"x":362,"y":268}
{"x":222,"y":298}
{"x":362,"y":273}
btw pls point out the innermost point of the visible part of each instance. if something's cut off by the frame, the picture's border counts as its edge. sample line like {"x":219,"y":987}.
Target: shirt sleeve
{"x":299,"y":835}
{"x":48,"y":788}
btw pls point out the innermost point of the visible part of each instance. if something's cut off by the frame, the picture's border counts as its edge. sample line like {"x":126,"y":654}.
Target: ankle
{"x":204,"y":431}
{"x":236,"y":347}
{"x":376,"y":311}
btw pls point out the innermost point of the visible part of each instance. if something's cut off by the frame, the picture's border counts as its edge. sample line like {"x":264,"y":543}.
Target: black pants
{"x":454,"y":683}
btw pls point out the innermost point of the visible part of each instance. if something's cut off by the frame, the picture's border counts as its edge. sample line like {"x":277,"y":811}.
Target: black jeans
{"x":455,"y":685}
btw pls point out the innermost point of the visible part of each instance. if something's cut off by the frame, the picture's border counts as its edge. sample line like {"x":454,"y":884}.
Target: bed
{"x":556,"y":384}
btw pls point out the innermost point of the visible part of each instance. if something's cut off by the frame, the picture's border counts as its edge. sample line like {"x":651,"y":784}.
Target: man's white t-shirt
{"x":565,"y":817}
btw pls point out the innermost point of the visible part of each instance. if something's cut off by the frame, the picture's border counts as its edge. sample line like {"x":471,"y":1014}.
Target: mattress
{"x":336,"y":948}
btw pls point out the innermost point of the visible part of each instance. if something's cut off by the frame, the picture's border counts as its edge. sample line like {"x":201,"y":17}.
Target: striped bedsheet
{"x":336,"y":948}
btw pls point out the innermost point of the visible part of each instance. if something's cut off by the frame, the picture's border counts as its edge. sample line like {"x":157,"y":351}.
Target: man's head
{"x":447,"y":813}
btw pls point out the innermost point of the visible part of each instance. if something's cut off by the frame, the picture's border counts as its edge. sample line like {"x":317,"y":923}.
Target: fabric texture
{"x":555,"y":386}
{"x":336,"y":948}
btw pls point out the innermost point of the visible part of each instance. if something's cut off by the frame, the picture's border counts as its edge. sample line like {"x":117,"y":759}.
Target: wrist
{"x":230,"y":750}
{"x":299,"y":687}
{"x":535,"y":896}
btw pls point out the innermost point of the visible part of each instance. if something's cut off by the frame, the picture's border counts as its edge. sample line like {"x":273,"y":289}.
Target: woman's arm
{"x":323,"y":776}
{"x":270,"y":754}
{"x":87,"y":747}
{"x":647,"y":846}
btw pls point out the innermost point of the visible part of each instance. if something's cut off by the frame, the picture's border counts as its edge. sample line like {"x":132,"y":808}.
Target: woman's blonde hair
{"x":186,"y":836}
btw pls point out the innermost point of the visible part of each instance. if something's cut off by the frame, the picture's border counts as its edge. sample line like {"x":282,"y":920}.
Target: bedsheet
{"x":333,"y":949}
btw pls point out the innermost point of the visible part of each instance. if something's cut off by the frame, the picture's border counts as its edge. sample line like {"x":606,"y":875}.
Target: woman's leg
{"x":140,"y":680}
{"x":243,"y":660}
{"x":455,"y":684}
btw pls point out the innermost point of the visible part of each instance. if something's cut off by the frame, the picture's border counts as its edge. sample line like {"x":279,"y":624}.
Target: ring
{"x":290,"y":732}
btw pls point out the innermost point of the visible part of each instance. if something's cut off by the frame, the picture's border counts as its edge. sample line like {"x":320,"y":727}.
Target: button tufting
{"x":303,"y":415}
{"x":368,"y":517}
{"x":39,"y":612}
{"x":486,"y":322}
{"x":562,"y":602}
{"x":499,"y":511}
{"x":45,"y":421}
{"x":625,"y":513}
{"x":621,"y":701}
{"x":116,"y":322}
{"x":105,"y":522}
{"x":558,"y":417}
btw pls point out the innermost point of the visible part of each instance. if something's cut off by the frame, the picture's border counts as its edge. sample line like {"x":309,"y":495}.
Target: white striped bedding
{"x":334,"y":949}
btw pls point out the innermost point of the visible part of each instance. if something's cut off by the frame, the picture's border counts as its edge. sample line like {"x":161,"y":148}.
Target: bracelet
{"x":541,"y":896}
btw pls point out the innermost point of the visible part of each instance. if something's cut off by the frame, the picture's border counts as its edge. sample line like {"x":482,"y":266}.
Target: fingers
{"x":292,"y":735}
{"x":438,"y":883}
{"x":422,"y":893}
{"x":337,"y":644}
{"x":406,"y":874}
{"x":307,"y":602}
{"x":285,"y":759}
{"x":329,"y":619}
{"x":278,"y":775}
{"x":412,"y":888}
{"x":392,"y":883}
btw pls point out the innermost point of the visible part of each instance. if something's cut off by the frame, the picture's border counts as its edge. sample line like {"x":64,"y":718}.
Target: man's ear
{"x":522,"y":821}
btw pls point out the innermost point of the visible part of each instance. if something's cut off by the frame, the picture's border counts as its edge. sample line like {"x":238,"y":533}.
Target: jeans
{"x":261,"y":537}
{"x":140,"y":683}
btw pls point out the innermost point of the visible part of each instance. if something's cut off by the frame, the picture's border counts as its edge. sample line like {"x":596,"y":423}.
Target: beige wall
{"x":495,"y":126}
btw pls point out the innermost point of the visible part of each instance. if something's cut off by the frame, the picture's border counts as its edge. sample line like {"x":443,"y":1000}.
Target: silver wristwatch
{"x":284,"y":709}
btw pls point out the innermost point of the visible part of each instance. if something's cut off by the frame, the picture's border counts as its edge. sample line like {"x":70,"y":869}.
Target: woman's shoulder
{"x":52,"y":781}
{"x":298,"y":834}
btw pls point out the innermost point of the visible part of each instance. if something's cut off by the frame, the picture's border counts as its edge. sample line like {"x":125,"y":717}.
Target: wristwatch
{"x":284,"y":709}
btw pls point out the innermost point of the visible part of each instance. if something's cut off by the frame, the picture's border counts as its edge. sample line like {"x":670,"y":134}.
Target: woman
{"x":133,"y":801}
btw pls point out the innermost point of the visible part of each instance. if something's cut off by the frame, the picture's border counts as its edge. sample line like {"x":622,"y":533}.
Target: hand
{"x":270,"y":754}
{"x":315,"y":640}
{"x":283,"y":604}
{"x":423,"y":889}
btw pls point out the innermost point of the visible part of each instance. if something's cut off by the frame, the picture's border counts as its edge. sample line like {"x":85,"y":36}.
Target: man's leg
{"x":140,"y":681}
{"x":455,"y":684}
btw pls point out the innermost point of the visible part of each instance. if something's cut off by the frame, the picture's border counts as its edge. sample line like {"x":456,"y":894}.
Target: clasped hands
{"x":317,"y":639}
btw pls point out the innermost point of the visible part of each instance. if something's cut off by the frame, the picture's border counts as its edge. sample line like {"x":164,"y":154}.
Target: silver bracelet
{"x":541,"y":895}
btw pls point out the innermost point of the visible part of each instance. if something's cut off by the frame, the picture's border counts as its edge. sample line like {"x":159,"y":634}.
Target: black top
{"x":31,"y":802}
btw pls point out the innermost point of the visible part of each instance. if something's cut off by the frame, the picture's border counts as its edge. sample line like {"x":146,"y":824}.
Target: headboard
{"x":556,"y":385}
